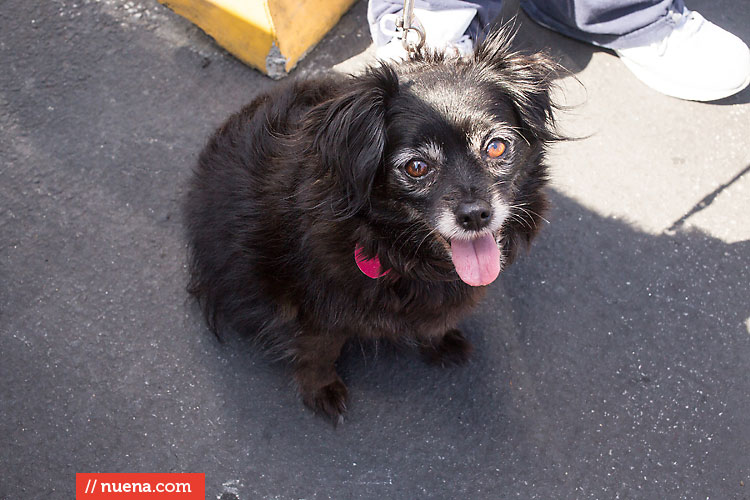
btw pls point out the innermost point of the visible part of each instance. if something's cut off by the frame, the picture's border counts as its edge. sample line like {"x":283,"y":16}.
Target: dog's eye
{"x":417,"y":168}
{"x":495,"y":148}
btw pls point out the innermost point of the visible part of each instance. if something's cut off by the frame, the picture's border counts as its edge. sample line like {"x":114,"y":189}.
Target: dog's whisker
{"x":528,"y":222}
{"x":520,"y":133}
{"x":529,"y":211}
{"x":525,"y":222}
{"x":434,"y":231}
{"x":406,"y":232}
{"x":521,"y":220}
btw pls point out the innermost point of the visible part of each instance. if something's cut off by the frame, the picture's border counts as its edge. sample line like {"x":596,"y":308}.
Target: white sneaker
{"x":444,"y":30}
{"x":697,"y":61}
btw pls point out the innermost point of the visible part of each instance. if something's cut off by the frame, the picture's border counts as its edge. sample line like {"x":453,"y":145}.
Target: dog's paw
{"x":451,"y":349}
{"x":329,"y":399}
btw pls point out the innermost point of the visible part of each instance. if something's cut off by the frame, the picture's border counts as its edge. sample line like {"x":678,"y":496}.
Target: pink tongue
{"x":477,"y":261}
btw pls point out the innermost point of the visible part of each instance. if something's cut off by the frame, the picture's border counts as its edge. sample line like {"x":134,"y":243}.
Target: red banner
{"x":140,"y":486}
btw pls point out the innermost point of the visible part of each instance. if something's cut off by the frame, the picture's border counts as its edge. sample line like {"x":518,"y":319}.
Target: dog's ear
{"x":350,"y":134}
{"x":528,"y":79}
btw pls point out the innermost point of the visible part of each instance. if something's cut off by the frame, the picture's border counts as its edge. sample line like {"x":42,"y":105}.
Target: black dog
{"x":375,"y":206}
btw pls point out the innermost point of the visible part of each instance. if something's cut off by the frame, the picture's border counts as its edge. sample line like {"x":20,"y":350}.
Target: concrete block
{"x":270,"y":35}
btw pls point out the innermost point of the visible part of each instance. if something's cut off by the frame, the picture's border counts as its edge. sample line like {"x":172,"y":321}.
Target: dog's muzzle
{"x":474,"y":215}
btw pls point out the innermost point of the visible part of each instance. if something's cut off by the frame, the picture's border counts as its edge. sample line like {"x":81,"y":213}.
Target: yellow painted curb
{"x":271,"y":35}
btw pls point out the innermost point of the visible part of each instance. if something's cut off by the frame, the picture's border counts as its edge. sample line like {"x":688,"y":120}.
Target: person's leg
{"x":381,"y":15}
{"x":376,"y":11}
{"x":613,"y":24}
{"x":668,"y":47}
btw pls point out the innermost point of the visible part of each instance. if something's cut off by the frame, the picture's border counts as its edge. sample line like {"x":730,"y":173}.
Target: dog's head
{"x":442,"y":157}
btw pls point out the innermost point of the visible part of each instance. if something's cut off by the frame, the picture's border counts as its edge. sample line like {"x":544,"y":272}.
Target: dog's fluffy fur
{"x":288,"y":187}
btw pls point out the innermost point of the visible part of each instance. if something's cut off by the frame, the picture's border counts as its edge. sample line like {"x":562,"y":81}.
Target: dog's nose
{"x":473,"y":215}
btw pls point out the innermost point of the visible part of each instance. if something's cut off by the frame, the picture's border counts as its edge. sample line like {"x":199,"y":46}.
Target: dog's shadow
{"x":604,"y":341}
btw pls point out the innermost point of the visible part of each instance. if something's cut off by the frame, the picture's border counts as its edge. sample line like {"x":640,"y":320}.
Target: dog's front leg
{"x":451,"y":348}
{"x":320,"y":386}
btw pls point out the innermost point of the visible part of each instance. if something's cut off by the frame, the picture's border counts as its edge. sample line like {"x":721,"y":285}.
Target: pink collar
{"x":370,"y":267}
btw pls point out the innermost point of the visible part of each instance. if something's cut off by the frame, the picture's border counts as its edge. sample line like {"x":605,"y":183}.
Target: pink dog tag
{"x":370,"y":267}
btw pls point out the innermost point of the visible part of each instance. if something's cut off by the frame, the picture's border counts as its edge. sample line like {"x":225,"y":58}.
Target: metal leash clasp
{"x":408,"y":22}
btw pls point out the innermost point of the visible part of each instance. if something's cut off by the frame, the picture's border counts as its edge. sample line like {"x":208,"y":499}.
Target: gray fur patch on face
{"x":480,"y":136}
{"x":430,"y":152}
{"x":433,"y":151}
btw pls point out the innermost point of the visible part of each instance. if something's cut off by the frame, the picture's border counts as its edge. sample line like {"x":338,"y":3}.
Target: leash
{"x":409,"y":22}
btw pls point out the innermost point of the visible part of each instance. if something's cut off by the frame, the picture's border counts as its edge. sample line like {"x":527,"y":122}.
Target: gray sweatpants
{"x":615,"y":24}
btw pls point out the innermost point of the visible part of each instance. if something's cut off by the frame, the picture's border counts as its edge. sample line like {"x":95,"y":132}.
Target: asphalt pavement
{"x":613,"y":361}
